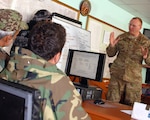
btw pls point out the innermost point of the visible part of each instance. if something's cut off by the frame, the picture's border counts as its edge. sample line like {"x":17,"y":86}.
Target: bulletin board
{"x":100,"y":32}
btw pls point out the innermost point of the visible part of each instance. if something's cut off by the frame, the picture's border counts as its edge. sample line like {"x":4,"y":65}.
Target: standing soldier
{"x":131,"y":49}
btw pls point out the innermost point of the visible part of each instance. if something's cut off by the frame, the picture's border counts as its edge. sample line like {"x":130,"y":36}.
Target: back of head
{"x":22,"y":38}
{"x":40,"y":15}
{"x":46,"y":39}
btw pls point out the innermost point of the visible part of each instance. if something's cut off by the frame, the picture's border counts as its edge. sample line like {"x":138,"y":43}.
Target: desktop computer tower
{"x":89,"y":93}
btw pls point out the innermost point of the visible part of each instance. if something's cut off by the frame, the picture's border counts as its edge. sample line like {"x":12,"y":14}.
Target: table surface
{"x":107,"y":111}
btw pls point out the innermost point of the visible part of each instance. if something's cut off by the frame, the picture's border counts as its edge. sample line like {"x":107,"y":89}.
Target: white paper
{"x":139,"y":111}
{"x":96,"y":31}
{"x":129,"y":112}
{"x":106,"y":37}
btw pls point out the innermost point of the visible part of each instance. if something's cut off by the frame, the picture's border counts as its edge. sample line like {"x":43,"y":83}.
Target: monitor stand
{"x":83,"y":82}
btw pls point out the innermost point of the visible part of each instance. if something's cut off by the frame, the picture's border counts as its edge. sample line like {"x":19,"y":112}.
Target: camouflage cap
{"x":11,"y":20}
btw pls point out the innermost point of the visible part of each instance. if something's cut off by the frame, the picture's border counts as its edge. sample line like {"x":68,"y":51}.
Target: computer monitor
{"x":86,"y":65}
{"x":146,"y":32}
{"x":147,"y":77}
{"x":18,"y":102}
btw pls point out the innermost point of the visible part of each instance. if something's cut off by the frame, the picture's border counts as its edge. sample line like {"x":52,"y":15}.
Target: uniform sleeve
{"x":60,"y":99}
{"x":69,"y":103}
{"x":147,"y":60}
{"x":3,"y":59}
{"x":111,"y":51}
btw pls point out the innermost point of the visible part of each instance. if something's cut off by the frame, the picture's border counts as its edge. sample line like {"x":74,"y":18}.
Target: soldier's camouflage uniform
{"x":61,"y":101}
{"x":10,"y":20}
{"x":127,"y":68}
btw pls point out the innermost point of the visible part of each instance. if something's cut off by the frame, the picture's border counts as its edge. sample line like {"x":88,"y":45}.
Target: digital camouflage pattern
{"x":11,"y":20}
{"x":60,"y":99}
{"x":127,"y":67}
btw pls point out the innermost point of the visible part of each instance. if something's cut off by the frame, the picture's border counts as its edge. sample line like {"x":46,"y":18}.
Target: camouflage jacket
{"x":128,"y":63}
{"x":61,"y":101}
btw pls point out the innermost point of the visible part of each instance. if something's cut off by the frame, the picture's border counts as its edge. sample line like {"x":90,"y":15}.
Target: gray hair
{"x":5,"y":33}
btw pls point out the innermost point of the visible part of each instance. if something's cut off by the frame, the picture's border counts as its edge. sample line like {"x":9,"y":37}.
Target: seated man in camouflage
{"x":36,"y":67}
{"x":10,"y":25}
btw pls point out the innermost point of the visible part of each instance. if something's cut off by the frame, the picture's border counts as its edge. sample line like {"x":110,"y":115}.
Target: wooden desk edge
{"x":95,"y":115}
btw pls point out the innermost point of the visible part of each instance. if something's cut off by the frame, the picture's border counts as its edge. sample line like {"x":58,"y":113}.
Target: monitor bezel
{"x":147,"y":77}
{"x":146,"y":32}
{"x":99,"y":74}
{"x":25,"y":92}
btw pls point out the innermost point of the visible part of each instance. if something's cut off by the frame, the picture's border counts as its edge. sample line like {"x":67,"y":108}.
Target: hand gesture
{"x":144,"y":52}
{"x":113,"y":41}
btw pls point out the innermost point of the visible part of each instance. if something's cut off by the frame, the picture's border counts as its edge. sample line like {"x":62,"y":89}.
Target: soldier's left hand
{"x":144,"y":52}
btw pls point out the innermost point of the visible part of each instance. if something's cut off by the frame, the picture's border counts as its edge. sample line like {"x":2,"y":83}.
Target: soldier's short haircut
{"x":138,"y":19}
{"x":46,"y":39}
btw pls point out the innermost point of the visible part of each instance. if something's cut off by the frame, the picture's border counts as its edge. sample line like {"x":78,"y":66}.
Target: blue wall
{"x":108,"y":12}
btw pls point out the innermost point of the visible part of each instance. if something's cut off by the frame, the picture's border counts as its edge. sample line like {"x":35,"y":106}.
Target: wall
{"x":106,"y":11}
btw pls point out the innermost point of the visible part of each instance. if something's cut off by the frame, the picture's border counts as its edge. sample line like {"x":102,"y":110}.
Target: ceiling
{"x":139,"y":8}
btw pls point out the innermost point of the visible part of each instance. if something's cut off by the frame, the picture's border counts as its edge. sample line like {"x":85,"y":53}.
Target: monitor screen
{"x":146,"y":32}
{"x":147,"y":77}
{"x":85,"y":65}
{"x":18,"y":102}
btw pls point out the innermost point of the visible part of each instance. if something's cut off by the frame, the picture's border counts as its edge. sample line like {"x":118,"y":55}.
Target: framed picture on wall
{"x":146,"y":32}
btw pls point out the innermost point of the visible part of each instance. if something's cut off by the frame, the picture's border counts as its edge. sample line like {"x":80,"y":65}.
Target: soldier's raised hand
{"x":112,"y":39}
{"x":144,"y":52}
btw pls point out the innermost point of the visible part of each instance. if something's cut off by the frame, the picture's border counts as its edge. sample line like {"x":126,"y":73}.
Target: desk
{"x":107,"y":111}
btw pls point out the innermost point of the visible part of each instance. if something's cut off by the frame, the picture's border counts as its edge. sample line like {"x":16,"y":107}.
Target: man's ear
{"x":6,"y":40}
{"x":55,"y":59}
